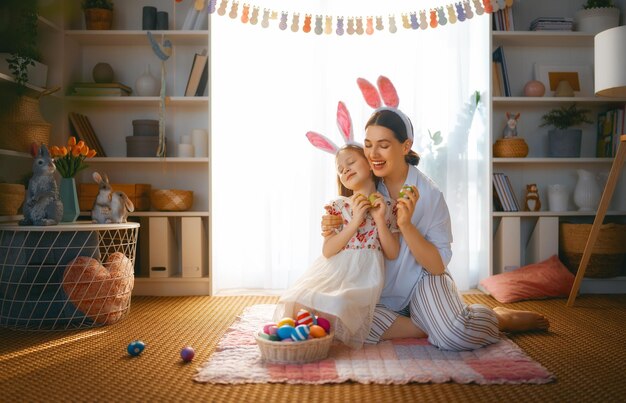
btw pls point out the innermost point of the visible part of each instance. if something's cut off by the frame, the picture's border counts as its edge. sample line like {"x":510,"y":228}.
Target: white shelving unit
{"x":71,"y":52}
{"x":522,"y":50}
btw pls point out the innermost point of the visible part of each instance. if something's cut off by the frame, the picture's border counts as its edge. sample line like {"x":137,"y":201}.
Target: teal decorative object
{"x":69,"y":198}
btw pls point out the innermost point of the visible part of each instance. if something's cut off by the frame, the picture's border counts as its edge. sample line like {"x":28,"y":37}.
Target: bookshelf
{"x":517,"y":235}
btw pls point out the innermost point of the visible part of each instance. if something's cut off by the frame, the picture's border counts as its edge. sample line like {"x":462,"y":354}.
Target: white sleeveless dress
{"x":346,"y":287}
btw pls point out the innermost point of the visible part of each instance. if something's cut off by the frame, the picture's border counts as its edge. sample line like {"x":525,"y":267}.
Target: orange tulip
{"x":75,"y":151}
{"x":81,"y":144}
{"x":84,"y":151}
{"x":71,"y":141}
{"x":63,"y":151}
{"x":54,"y":151}
{"x":91,"y":153}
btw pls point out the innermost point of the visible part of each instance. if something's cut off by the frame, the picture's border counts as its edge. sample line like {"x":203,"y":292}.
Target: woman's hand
{"x":360,"y":206}
{"x":379,"y":206}
{"x":406,"y":206}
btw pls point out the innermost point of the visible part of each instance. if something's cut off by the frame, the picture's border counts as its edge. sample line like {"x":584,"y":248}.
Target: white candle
{"x":199,"y":139}
{"x":185,"y":139}
{"x":185,"y":150}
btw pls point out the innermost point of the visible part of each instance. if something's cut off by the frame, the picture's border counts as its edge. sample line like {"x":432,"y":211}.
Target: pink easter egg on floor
{"x":324,"y":323}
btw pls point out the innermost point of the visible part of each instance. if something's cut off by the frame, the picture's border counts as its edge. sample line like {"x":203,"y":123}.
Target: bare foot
{"x":510,"y":320}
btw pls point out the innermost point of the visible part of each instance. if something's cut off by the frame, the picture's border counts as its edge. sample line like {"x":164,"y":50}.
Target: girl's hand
{"x":360,"y":206}
{"x":406,"y":206}
{"x":379,"y":206}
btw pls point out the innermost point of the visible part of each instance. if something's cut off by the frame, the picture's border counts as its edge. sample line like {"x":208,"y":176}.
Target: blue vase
{"x":69,"y":198}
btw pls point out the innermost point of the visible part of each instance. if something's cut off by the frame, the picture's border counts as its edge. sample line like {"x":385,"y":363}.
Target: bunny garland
{"x":387,"y":92}
{"x":344,"y":123}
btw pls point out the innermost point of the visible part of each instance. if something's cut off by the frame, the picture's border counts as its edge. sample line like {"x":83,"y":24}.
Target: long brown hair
{"x":393,"y":122}
{"x":344,"y":191}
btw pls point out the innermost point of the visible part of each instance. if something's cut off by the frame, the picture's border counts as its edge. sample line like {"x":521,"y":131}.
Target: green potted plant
{"x":563,"y":139}
{"x":597,"y":16}
{"x":98,"y":14}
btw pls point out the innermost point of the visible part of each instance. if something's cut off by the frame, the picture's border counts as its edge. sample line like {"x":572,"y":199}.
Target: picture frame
{"x":579,"y":77}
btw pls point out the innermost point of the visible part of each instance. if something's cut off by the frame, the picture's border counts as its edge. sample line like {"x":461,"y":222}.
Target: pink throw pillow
{"x":549,"y":278}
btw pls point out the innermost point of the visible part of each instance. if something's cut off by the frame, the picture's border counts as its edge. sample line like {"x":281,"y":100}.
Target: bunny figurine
{"x":43,"y":205}
{"x":101,"y":210}
{"x":121,"y":205}
{"x":510,"y":130}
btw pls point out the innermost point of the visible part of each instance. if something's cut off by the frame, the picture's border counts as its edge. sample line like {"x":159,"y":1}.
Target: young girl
{"x":345,"y":283}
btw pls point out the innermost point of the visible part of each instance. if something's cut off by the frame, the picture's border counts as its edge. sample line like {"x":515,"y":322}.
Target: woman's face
{"x":383,"y":151}
{"x":353,"y":169}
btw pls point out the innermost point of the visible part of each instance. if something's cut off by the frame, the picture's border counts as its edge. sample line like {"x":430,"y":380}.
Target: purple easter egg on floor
{"x":187,"y":353}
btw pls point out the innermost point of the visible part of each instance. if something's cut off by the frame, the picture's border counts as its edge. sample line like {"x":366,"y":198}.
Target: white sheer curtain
{"x":269,"y":87}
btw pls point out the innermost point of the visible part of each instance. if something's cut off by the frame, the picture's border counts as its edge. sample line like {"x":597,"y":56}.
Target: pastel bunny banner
{"x":318,"y":23}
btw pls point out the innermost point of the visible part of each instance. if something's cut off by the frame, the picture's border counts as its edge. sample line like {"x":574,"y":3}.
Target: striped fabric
{"x":437,"y":308}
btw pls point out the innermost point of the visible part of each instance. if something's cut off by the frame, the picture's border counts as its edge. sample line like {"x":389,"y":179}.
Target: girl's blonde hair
{"x":344,"y":191}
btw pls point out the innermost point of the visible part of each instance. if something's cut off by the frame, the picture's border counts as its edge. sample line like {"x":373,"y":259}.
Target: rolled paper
{"x":185,"y":150}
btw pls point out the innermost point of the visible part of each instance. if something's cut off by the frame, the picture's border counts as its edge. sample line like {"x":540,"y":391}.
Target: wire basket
{"x":510,"y":148}
{"x":299,"y":352}
{"x":66,"y":276}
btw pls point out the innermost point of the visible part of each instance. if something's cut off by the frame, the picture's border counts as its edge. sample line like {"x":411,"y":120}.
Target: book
{"x":118,"y":86}
{"x":498,"y":57}
{"x":496,"y":80}
{"x":198,"y":75}
{"x":99,"y":92}
{"x":511,"y":191}
{"x":500,"y":192}
{"x":82,"y":129}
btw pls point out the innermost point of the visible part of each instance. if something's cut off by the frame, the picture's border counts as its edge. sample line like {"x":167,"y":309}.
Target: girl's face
{"x":383,"y":151}
{"x":353,"y":169}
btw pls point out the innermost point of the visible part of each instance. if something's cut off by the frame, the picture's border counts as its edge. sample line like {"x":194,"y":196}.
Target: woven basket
{"x":299,"y":352}
{"x":98,"y":18}
{"x":608,"y":255}
{"x":11,"y":198}
{"x":22,"y":124}
{"x":171,"y":199}
{"x":510,"y":148}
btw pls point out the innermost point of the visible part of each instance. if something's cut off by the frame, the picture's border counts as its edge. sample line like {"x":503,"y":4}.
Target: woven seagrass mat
{"x":585,"y":349}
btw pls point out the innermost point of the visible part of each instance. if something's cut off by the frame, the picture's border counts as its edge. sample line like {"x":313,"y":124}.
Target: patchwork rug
{"x":237,"y":360}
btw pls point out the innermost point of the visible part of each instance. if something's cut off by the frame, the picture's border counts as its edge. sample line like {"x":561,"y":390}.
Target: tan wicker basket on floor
{"x":171,"y":199}
{"x":11,"y":198}
{"x":608,"y":254}
{"x":510,"y":148}
{"x":298,"y":352}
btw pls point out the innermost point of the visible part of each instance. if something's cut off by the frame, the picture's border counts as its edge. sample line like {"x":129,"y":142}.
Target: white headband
{"x":385,"y":93}
{"x":403,"y":116}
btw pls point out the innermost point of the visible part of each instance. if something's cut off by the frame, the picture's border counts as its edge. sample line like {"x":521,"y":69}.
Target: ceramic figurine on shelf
{"x":510,"y":130}
{"x":43,"y":205}
{"x":532,"y":202}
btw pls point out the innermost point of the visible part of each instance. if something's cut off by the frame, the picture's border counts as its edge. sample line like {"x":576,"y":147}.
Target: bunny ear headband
{"x":389,"y":96}
{"x":344,"y":122}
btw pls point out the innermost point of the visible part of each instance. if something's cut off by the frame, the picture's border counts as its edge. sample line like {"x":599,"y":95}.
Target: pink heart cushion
{"x":549,"y":278}
{"x":100,"y":292}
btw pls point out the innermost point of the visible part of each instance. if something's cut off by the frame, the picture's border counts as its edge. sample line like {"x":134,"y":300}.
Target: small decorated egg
{"x":135,"y":347}
{"x":187,"y":353}
{"x":304,"y":317}
{"x":270,"y":337}
{"x":300,"y":333}
{"x":285,"y":332}
{"x":317,"y":331}
{"x":286,"y":321}
{"x":270,"y":328}
{"x":324,"y":323}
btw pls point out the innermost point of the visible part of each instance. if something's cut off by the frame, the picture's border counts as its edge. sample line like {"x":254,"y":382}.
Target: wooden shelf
{"x":150,"y":160}
{"x":16,"y":154}
{"x":160,"y":214}
{"x":135,"y":100}
{"x":553,"y":213}
{"x":542,"y":38}
{"x":565,"y":161}
{"x":136,"y":37}
{"x":544,"y":102}
{"x":46,"y":24}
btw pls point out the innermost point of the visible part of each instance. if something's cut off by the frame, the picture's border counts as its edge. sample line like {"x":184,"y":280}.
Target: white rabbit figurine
{"x":121,"y":205}
{"x":101,"y":210}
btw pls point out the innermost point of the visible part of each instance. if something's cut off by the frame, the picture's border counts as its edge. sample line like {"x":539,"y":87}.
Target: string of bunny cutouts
{"x":294,"y":21}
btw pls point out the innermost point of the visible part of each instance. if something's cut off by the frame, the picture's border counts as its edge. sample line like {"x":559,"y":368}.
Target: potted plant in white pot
{"x":563,"y":139}
{"x":597,"y":16}
{"x":98,"y":14}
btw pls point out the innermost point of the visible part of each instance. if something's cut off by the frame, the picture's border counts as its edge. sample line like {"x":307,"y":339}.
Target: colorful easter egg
{"x":135,"y":347}
{"x":187,"y":353}
{"x":324,"y":323}
{"x":286,"y":321}
{"x":285,"y":332}
{"x":317,"y":331}
{"x":267,"y":328}
{"x":305,"y":317}
{"x":300,"y":333}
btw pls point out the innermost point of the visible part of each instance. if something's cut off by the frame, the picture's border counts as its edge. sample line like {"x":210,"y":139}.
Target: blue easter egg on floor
{"x":300,"y":333}
{"x":187,"y":353}
{"x":284,"y":332}
{"x":135,"y":347}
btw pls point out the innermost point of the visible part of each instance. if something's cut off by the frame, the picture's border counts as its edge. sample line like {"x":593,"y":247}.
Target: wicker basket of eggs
{"x":295,"y":341}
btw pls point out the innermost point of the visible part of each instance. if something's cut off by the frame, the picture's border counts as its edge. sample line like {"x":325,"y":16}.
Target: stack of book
{"x":503,"y":19}
{"x":503,"y":195}
{"x":610,"y":126}
{"x":552,"y":24}
{"x":100,"y":89}
{"x":501,"y":86}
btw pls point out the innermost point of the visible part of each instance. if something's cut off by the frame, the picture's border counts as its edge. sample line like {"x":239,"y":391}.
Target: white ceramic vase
{"x":587,"y":191}
{"x":558,"y":197}
{"x":147,"y":85}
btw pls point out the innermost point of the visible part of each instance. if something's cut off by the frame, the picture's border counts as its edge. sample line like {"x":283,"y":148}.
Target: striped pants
{"x":438,"y":309}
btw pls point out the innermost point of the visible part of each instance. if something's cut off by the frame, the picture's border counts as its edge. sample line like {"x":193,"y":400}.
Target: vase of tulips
{"x":69,"y":160}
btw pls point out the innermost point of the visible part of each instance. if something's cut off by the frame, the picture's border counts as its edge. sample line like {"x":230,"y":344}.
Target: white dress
{"x":346,"y":287}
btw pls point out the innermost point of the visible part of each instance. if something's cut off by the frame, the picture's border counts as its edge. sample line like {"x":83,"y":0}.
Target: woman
{"x":419,"y":294}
